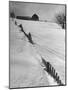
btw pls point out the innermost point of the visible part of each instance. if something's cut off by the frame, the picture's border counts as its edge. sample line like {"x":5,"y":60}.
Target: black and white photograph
{"x":37,"y":44}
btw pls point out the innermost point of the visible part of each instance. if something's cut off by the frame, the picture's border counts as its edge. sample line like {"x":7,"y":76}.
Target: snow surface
{"x":25,"y":59}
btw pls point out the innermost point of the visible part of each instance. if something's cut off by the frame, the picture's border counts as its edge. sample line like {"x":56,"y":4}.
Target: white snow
{"x":25,"y":59}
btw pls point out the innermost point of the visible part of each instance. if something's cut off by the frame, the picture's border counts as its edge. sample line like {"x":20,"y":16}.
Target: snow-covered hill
{"x":25,"y":59}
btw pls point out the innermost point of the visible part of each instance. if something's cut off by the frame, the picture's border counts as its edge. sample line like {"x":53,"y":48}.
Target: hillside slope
{"x":25,"y":68}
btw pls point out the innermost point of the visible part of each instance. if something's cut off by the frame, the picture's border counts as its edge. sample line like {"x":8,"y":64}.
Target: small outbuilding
{"x":35,"y":17}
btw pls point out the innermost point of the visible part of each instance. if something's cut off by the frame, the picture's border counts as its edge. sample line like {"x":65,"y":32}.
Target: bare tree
{"x":12,"y":15}
{"x":61,"y":20}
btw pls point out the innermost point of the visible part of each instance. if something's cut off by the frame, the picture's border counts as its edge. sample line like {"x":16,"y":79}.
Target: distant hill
{"x":23,"y":17}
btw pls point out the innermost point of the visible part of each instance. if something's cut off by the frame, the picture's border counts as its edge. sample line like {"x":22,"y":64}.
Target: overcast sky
{"x":44,"y":11}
